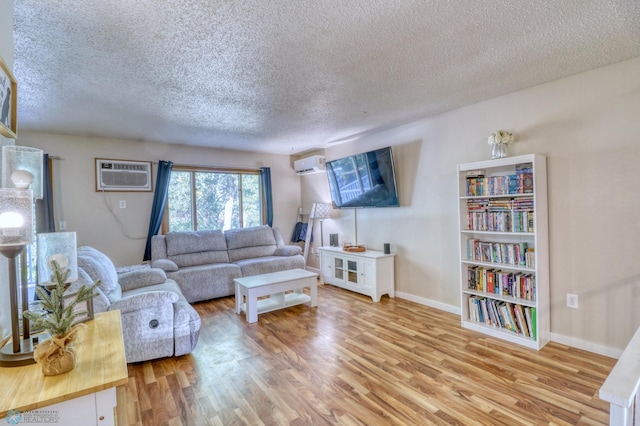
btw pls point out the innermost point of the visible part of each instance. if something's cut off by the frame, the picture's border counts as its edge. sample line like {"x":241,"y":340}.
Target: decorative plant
{"x":56,"y":354}
{"x":500,"y":137}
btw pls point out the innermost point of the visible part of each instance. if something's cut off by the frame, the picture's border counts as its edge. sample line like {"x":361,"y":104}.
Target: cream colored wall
{"x":121,"y":233}
{"x":6,"y":52}
{"x":588,"y":126}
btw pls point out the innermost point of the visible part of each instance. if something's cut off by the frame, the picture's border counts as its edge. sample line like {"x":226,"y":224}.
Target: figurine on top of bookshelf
{"x":500,"y":141}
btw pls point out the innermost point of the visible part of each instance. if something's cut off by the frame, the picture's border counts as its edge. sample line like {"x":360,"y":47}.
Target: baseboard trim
{"x":596,"y":348}
{"x":428,"y":302}
{"x":555,"y":337}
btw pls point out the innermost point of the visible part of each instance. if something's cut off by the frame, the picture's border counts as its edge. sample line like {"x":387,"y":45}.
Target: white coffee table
{"x":274,"y":285}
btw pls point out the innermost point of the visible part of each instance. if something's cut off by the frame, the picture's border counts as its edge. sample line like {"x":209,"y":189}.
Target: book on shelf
{"x":508,"y":317}
{"x":475,"y":173}
{"x":471,"y":278}
{"x":529,"y":318}
{"x":491,"y":281}
{"x":522,"y":168}
{"x":534,"y":323}
{"x":520,"y":319}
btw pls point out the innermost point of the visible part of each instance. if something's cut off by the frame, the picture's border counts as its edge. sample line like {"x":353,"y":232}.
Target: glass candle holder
{"x":19,"y":160}
{"x":61,"y":247}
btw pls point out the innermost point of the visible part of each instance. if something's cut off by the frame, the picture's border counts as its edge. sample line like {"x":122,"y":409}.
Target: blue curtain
{"x":159,"y":201}
{"x":45,"y":221}
{"x":265,"y":175}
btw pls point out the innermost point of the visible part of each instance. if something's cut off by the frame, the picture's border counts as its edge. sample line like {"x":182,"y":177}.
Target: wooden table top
{"x":100,"y":364}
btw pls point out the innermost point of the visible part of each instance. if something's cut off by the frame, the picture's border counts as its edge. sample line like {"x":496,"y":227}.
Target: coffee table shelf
{"x":279,"y":301}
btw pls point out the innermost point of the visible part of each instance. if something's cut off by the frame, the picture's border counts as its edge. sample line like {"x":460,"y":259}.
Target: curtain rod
{"x":223,"y":167}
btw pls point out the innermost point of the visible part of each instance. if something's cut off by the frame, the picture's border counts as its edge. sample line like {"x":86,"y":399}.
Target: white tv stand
{"x":368,"y":272}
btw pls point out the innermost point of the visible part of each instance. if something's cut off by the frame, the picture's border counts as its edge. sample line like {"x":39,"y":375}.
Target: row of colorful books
{"x":509,"y":316}
{"x":500,"y":185}
{"x":512,"y":221}
{"x":520,"y":254}
{"x":495,"y":281}
{"x":519,"y":183}
{"x":500,"y":204}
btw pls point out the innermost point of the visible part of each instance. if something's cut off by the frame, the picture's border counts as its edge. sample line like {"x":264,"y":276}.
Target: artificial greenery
{"x":57,"y":318}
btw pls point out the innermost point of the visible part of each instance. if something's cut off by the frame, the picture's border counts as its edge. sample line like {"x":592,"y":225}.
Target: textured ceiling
{"x":288,"y":76}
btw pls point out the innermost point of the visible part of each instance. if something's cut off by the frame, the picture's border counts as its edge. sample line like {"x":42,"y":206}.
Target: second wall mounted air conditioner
{"x":313,"y":164}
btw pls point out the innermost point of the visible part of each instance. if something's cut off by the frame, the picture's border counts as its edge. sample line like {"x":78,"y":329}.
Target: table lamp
{"x":321,"y":211}
{"x":16,"y":232}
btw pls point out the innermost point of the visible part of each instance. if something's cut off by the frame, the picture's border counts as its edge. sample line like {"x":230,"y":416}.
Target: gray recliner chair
{"x":157,"y":321}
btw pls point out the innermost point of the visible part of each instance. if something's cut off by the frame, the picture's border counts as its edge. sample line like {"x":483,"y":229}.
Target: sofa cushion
{"x":99,"y":267}
{"x":246,"y":237}
{"x":194,"y":242}
{"x":204,"y":282}
{"x":250,"y":242}
{"x":200,"y":258}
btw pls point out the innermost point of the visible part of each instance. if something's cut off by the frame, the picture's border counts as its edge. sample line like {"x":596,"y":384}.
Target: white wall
{"x":6,"y":52}
{"x":588,"y":126}
{"x":6,"y":32}
{"x":121,"y":233}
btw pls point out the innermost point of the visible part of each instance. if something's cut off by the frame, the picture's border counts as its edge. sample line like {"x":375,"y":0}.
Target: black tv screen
{"x":363,"y":180}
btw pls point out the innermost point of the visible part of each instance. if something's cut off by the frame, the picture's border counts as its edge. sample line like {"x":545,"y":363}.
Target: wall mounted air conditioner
{"x":123,"y":175}
{"x":313,"y":164}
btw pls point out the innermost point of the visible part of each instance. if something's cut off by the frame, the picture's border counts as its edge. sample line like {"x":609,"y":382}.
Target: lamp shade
{"x":61,"y":247}
{"x":17,"y":163}
{"x":320,"y":210}
{"x":16,"y":217}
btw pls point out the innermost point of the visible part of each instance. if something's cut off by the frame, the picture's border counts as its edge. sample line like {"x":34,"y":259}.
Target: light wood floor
{"x":353,"y":362}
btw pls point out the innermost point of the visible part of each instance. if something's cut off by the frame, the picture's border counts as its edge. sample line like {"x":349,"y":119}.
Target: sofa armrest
{"x":166,"y":265}
{"x":144,"y":300}
{"x":141,"y":278}
{"x":289,"y":250}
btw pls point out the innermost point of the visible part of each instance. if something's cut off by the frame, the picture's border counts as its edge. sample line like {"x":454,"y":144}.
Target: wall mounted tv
{"x":363,"y":180}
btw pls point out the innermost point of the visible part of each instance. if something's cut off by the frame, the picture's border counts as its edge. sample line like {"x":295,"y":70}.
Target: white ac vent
{"x":123,"y":175}
{"x":309,"y":165}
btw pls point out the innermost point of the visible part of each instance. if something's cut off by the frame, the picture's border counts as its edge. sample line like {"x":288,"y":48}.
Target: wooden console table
{"x":86,"y":395}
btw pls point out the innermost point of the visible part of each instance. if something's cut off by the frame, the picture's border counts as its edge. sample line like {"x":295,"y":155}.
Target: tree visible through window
{"x":214,"y":200}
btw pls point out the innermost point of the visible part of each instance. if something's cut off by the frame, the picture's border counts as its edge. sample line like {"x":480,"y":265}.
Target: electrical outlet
{"x":572,"y":301}
{"x":62,"y":226}
{"x":123,"y":204}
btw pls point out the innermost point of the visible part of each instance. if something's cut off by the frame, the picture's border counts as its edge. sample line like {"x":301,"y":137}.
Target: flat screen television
{"x":363,"y":180}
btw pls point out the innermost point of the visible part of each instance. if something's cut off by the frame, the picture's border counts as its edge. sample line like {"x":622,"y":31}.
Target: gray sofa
{"x":157,"y":320}
{"x":205,"y":263}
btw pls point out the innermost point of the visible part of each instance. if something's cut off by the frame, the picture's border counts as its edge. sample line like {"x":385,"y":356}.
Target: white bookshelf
{"x":502,"y":226}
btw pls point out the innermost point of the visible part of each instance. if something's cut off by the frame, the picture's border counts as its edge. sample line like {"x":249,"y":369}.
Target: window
{"x":213,"y":200}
